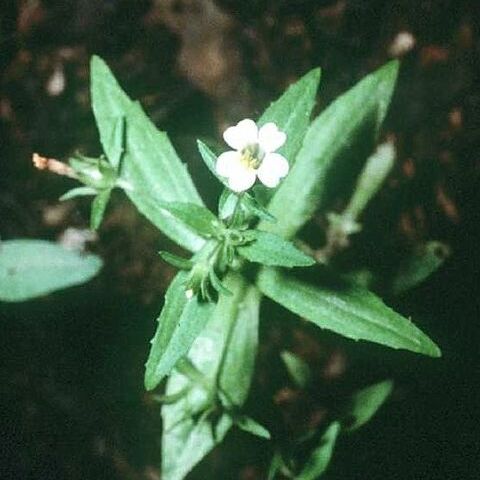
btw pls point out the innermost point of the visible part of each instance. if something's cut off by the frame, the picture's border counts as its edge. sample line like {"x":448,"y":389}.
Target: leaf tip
{"x":149,"y":381}
{"x":391,"y":68}
{"x":434,"y":351}
{"x":317,"y":73}
{"x":97,"y":62}
{"x":429,"y":348}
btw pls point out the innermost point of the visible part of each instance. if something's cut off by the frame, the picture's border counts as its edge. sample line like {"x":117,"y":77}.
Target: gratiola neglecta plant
{"x":274,"y":180}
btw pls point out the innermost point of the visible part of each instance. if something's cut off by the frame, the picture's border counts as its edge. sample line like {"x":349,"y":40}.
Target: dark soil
{"x":72,"y":399}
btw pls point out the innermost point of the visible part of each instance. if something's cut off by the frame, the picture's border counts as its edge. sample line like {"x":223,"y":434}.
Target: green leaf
{"x":345,"y":309}
{"x":291,"y":112}
{"x":279,"y":465}
{"x":179,"y":323}
{"x":376,"y":170}
{"x":99,"y":205}
{"x":150,"y":167}
{"x":197,"y":218}
{"x":32,"y":268}
{"x":78,"y":192}
{"x":254,"y":207}
{"x":272,"y":250}
{"x":421,"y":264}
{"x":302,"y":191}
{"x":176,"y":261}
{"x":224,"y":353}
{"x":227,"y":203}
{"x":249,"y":425}
{"x":297,"y":368}
{"x":321,"y":455}
{"x":365,"y":403}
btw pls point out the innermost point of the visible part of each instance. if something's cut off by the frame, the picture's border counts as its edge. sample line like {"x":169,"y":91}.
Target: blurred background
{"x":72,"y":403}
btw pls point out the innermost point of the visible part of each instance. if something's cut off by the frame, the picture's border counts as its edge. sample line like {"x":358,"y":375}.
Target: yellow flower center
{"x":252,"y":157}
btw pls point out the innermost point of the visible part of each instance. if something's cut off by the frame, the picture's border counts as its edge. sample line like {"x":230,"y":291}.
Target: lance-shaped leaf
{"x":291,"y":112}
{"x":249,"y":425}
{"x":179,"y":323}
{"x":78,"y":192}
{"x":272,"y":250}
{"x":149,"y":165}
{"x":365,"y":403}
{"x":224,"y":353}
{"x":302,"y":191}
{"x":176,"y":261}
{"x":425,"y":261}
{"x":297,"y":368}
{"x":32,"y":268}
{"x":345,"y":309}
{"x":321,"y":455}
{"x":198,"y":218}
{"x":99,"y":205}
{"x":374,"y":173}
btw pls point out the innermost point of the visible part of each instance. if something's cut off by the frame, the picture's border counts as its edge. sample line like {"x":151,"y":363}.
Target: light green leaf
{"x":176,"y":261}
{"x":275,"y":465}
{"x":365,"y":403}
{"x":249,"y":425}
{"x":321,"y":455}
{"x":421,"y":264}
{"x":253,"y":206}
{"x":78,"y":192}
{"x":197,"y":218}
{"x":224,"y":353}
{"x":99,"y":205}
{"x":279,"y":465}
{"x":150,"y":167}
{"x":227,"y":203}
{"x":297,"y":368}
{"x":272,"y":250}
{"x":32,"y":268}
{"x":302,"y":191}
{"x":291,"y":112}
{"x":345,"y":309}
{"x":376,"y":170}
{"x":179,"y":323}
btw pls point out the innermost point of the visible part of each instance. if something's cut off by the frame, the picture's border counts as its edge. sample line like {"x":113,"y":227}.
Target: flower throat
{"x":252,"y":156}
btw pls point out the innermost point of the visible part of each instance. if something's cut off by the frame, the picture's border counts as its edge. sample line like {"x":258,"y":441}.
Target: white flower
{"x":253,"y":155}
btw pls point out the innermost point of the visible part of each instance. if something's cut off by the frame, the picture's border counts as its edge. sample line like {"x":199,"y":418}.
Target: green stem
{"x":228,"y":337}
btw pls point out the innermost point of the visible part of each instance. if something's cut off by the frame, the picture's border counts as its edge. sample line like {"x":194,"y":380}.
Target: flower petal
{"x":273,"y":168}
{"x":243,"y":134}
{"x":228,"y":163}
{"x":242,"y":180}
{"x":270,"y":137}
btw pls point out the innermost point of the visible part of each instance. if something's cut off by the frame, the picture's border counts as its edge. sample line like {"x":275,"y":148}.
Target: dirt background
{"x":71,"y":364}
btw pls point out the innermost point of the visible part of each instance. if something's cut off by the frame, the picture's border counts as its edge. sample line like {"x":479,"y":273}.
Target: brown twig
{"x":53,"y":165}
